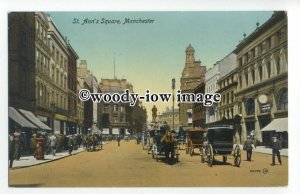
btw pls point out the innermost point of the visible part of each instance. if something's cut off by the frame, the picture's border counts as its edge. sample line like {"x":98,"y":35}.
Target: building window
{"x":115,"y":108}
{"x":240,"y":80}
{"x":260,"y":72}
{"x":246,"y":78}
{"x":268,"y":69}
{"x":115,"y":119}
{"x":253,"y":76}
{"x":105,"y":108}
{"x":282,"y":99}
{"x":278,"y":65}
{"x":240,"y":62}
{"x":250,"y":106}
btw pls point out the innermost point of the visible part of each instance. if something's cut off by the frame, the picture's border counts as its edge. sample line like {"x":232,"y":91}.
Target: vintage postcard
{"x":148,"y":99}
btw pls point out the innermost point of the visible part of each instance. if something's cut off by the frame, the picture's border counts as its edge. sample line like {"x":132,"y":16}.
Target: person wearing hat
{"x":169,"y":141}
{"x":276,"y":147}
{"x":32,"y":144}
{"x":248,"y":146}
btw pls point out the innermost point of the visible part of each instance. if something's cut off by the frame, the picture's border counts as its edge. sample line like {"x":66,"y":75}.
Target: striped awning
{"x":18,"y":118}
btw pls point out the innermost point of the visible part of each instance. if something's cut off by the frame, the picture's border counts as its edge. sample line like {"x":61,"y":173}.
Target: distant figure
{"x":119,"y":139}
{"x":154,"y":113}
{"x":70,"y":144}
{"x":52,"y":144}
{"x":276,"y":147}
{"x":32,"y":145}
{"x":17,"y":141}
{"x":248,"y":146}
{"x":11,"y":148}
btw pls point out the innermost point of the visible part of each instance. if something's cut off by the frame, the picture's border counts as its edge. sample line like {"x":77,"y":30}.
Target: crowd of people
{"x":40,"y":144}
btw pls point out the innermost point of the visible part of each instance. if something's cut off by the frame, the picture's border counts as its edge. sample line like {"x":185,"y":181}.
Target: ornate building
{"x":192,"y":75}
{"x":212,"y":77}
{"x":262,"y":77}
{"x":59,"y":79}
{"x":38,"y":71}
{"x":167,"y":116}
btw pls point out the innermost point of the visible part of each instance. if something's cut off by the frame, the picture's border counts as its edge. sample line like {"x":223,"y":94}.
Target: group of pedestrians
{"x":275,"y":144}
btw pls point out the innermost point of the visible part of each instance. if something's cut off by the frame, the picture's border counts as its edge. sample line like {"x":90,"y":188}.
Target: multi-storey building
{"x":192,"y":75}
{"x":80,"y":108}
{"x":91,"y":81}
{"x":262,"y":77}
{"x":72,"y":89}
{"x":115,"y":117}
{"x":21,"y":60}
{"x":38,"y":69}
{"x":167,"y":116}
{"x":212,"y":76}
{"x":59,"y":76}
{"x":198,"y":109}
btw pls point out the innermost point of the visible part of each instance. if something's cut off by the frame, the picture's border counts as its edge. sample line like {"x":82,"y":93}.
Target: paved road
{"x":130,"y":166}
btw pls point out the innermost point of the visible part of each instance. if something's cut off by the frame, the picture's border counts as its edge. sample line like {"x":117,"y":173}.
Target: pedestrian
{"x":53,"y":144}
{"x":248,"y":146}
{"x":11,"y":149}
{"x":119,"y":139}
{"x":32,"y":144}
{"x":276,"y":147}
{"x":70,"y":144}
{"x":17,"y":151}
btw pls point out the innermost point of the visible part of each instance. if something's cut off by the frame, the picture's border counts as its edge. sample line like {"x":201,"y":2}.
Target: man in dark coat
{"x":248,"y":146}
{"x":276,"y":147}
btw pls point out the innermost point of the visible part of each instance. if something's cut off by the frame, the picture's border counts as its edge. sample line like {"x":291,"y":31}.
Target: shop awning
{"x":105,"y":131}
{"x":30,"y":116}
{"x":96,"y":130}
{"x":115,"y":131}
{"x":18,"y":118}
{"x":278,"y":125}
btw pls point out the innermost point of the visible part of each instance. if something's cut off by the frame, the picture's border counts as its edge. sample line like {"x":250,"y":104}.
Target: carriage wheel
{"x":224,"y":159}
{"x":202,"y":155}
{"x":210,"y":155}
{"x":192,"y":149}
{"x":187,"y":148}
{"x":237,"y":155}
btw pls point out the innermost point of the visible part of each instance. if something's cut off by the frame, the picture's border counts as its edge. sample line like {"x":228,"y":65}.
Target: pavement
{"x":27,"y":161}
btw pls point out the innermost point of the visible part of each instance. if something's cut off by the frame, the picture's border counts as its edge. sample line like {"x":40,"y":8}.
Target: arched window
{"x":282,"y":102}
{"x":250,"y":106}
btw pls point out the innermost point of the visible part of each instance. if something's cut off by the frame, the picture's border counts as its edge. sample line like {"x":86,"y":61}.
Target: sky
{"x":150,"y":55}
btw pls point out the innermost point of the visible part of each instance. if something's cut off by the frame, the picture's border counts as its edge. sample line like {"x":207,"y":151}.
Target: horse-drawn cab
{"x":195,"y":140}
{"x":220,"y":142}
{"x":164,"y":145}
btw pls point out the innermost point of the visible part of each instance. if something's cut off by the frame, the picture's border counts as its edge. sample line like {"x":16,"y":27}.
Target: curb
{"x":46,"y":161}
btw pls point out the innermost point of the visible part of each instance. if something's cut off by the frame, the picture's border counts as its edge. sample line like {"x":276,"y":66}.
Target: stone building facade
{"x":212,"y":76}
{"x":262,"y":77}
{"x":115,"y":116}
{"x":38,"y":70}
{"x":192,"y":75}
{"x":167,"y":116}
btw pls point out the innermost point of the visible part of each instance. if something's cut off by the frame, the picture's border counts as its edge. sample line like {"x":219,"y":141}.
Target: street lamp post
{"x":173,"y":87}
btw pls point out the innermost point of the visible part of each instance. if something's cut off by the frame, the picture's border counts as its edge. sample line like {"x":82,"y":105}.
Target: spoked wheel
{"x":187,"y":150}
{"x":202,"y":155}
{"x":210,"y":156}
{"x":237,"y":155}
{"x":191,"y":150}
